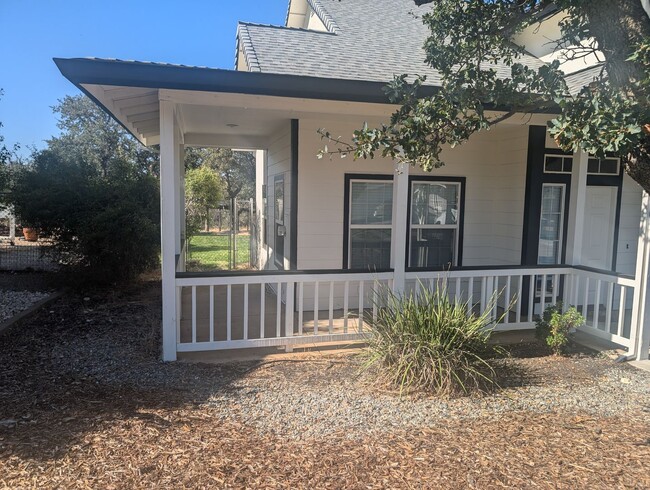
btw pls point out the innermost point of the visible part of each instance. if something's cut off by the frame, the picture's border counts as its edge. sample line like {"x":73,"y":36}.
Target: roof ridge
{"x":285,"y":28}
{"x":244,"y":40}
{"x":324,"y":16}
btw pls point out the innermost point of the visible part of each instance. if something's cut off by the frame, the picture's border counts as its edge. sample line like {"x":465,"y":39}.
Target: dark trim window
{"x":369,"y":222}
{"x":558,"y":164}
{"x":278,"y":215}
{"x":551,"y":226}
{"x":605,"y":166}
{"x":435,"y":222}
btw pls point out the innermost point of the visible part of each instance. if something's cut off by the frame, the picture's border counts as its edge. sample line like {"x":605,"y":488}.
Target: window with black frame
{"x":370,"y":224}
{"x":434,"y":224}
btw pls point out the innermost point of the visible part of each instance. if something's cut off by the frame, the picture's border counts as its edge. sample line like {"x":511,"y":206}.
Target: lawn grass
{"x":210,"y":251}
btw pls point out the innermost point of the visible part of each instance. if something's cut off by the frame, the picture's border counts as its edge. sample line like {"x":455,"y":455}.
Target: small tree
{"x":203,"y":191}
{"x":104,"y":230}
{"x":555,"y":326}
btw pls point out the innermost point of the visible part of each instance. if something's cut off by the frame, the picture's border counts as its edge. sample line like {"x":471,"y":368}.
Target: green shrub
{"x":554,"y":326}
{"x":431,"y":343}
{"x":104,"y":229}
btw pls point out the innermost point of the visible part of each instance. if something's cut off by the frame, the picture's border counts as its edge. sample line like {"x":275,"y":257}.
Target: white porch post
{"x":577,"y":203}
{"x":640,"y":328}
{"x":400,"y":227}
{"x":170,"y":236}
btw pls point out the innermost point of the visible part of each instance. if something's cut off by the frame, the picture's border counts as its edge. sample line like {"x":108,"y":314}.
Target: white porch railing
{"x":283,"y":309}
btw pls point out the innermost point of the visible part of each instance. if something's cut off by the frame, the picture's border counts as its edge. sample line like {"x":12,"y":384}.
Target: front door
{"x":599,"y":227}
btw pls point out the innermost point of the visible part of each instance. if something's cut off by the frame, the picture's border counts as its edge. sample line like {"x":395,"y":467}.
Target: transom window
{"x":563,"y":164}
{"x":371,"y":221}
{"x":435,"y":214}
{"x":606,"y":166}
{"x":558,"y":164}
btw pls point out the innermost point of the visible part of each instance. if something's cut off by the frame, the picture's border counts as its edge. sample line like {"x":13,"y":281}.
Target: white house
{"x":509,"y":212}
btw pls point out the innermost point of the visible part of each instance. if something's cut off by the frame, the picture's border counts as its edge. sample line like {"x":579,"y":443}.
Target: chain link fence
{"x":228,"y":241}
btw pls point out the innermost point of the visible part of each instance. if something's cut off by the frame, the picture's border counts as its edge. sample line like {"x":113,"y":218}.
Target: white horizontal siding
{"x":493,"y":163}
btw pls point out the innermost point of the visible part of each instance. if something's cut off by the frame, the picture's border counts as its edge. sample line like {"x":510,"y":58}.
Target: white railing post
{"x":577,"y":203}
{"x":400,"y":208}
{"x":640,"y":328}
{"x":169,"y":187}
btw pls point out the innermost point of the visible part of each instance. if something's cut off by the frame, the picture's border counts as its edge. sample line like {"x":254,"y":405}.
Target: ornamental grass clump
{"x":426,"y":341}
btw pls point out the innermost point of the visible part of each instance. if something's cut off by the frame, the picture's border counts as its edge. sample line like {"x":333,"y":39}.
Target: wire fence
{"x":227,"y":241}
{"x":21,"y":255}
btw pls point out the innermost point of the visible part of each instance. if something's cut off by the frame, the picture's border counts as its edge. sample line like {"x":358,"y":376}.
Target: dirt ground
{"x":85,"y":403}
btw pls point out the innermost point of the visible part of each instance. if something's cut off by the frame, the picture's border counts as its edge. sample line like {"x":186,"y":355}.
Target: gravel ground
{"x":13,"y":302}
{"x":84,"y":402}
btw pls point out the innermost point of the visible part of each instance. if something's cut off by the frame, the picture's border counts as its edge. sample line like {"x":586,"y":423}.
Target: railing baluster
{"x":346,"y":294}
{"x":374,"y":302}
{"x":245,"y":311}
{"x":556,"y":288}
{"x":585,"y":305}
{"x":316,"y":308}
{"x":483,"y":293}
{"x":300,"y":305}
{"x":597,"y":304}
{"x":360,"y":326}
{"x":262,"y":308}
{"x":519,"y":290}
{"x":608,"y":309}
{"x":228,"y":312}
{"x":211,"y":314}
{"x":542,"y":295}
{"x":194,"y":314}
{"x":531,"y":297}
{"x":621,"y":312}
{"x":179,"y":309}
{"x":457,"y":297}
{"x":331,"y":308}
{"x":506,"y":304}
{"x":288,"y":309}
{"x":278,"y":311}
{"x":470,"y":295}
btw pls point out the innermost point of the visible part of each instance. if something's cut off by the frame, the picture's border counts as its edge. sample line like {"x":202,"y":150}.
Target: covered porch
{"x":500,"y":237}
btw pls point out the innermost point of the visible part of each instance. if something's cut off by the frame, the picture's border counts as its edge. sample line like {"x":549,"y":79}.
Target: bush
{"x":428,"y":342}
{"x":555,"y":326}
{"x":106,"y":229}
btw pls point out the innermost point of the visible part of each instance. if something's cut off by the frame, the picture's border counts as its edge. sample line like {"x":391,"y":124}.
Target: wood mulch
{"x":71,"y":421}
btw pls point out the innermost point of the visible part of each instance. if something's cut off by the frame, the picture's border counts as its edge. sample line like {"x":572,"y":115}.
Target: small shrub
{"x":431,"y":343}
{"x":554,"y":326}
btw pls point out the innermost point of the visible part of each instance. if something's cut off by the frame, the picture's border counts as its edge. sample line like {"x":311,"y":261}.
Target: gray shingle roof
{"x":375,"y":40}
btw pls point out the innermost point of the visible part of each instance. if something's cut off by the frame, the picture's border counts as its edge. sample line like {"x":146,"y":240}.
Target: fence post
{"x":400,"y":205}
{"x":640,"y":328}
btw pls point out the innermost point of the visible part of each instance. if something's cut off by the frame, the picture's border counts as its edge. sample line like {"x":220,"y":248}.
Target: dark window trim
{"x":461,"y":222}
{"x":346,"y":208}
{"x":293,"y":218}
{"x":535,"y":178}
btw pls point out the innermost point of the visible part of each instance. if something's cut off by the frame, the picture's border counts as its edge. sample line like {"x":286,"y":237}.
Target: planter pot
{"x":30,"y":234}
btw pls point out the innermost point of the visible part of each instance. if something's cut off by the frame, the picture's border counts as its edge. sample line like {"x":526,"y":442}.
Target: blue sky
{"x":32,"y":32}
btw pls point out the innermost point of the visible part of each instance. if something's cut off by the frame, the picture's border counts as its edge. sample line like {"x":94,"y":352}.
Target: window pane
{"x":434,"y":204}
{"x":432,"y":247}
{"x":370,"y":249}
{"x":548,"y":252}
{"x":568,"y":164}
{"x":553,"y":164}
{"x":372,"y":203}
{"x":550,"y":227}
{"x":592,"y":166}
{"x":551,"y":199}
{"x":609,"y":166}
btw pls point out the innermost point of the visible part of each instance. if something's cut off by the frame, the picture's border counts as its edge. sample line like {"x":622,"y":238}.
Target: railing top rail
{"x":604,"y":272}
{"x":188,"y":275}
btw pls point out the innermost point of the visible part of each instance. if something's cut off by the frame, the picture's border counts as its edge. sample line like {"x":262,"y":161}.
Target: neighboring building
{"x":508,"y":212}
